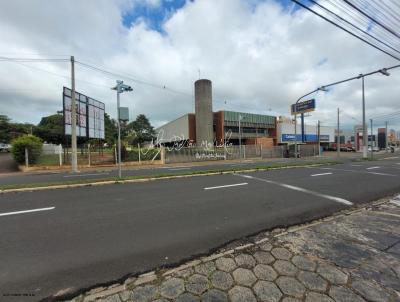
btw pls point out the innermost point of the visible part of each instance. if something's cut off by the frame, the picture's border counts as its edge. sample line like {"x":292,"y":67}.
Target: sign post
{"x":301,"y":108}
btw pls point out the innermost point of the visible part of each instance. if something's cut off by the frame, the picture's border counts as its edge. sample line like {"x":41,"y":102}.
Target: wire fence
{"x":58,"y":156}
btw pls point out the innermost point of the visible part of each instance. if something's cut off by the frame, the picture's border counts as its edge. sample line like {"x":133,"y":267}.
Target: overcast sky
{"x":260,"y":55}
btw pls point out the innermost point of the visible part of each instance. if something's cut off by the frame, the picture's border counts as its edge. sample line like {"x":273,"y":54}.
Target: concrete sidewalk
{"x":353,"y":256}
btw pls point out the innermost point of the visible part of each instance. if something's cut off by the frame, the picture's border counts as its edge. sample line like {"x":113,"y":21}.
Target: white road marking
{"x":359,"y":171}
{"x":322,"y":174}
{"x":174,"y":167}
{"x":397,"y":163}
{"x":90,"y":174}
{"x":383,"y":174}
{"x":336,"y":199}
{"x":226,"y":186}
{"x":372,"y":168}
{"x":177,"y":169}
{"x":27,"y":211}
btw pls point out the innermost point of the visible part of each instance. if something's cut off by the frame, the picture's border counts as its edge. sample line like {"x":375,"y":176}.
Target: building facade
{"x":286,"y":133}
{"x":254,"y":129}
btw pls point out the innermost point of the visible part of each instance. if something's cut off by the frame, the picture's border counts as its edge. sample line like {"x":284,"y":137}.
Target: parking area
{"x":7,"y":164}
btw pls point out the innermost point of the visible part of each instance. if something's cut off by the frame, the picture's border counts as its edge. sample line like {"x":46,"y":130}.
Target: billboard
{"x":303,"y":107}
{"x":89,"y":115}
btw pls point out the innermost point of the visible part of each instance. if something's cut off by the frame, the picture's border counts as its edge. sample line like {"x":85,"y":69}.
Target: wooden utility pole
{"x":74,"y":155}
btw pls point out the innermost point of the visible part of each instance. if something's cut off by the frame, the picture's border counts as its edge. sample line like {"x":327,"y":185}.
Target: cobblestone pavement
{"x":348,"y":257}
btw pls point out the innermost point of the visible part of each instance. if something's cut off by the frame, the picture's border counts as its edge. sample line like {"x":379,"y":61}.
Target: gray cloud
{"x":259,"y":57}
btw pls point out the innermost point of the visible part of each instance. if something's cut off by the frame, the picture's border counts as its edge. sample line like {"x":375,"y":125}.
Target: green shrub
{"x":32,"y":143}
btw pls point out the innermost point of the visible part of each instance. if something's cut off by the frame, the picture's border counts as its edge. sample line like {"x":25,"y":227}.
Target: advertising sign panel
{"x":89,"y":115}
{"x":303,"y":107}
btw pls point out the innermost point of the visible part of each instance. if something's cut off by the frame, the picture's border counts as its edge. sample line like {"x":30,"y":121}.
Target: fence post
{"x":162,"y":155}
{"x":261,"y":151}
{"x":26,"y":158}
{"x":60,"y":154}
{"x":244,"y":151}
{"x":89,"y":159}
{"x":139,"y":152}
{"x":225,"y":155}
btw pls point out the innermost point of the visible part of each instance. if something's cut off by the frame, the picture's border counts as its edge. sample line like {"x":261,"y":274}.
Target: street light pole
{"x":386,"y":137}
{"x":120,"y":88}
{"x":74,"y":153}
{"x":119,"y":136}
{"x":365,"y":134}
{"x":338,"y":135}
{"x":372,"y":142}
{"x":240,"y":139}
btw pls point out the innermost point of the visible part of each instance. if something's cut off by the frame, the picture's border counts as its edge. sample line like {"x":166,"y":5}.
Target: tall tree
{"x":10,"y":130}
{"x":4,"y":128}
{"x":51,"y":129}
{"x":140,"y":130}
{"x":111,"y":130}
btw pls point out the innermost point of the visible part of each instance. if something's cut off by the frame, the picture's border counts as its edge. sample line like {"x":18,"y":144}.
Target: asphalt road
{"x":82,"y":237}
{"x":53,"y":176}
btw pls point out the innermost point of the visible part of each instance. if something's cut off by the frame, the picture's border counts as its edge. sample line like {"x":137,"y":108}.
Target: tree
{"x":10,"y":130}
{"x":140,"y":130}
{"x":111,"y":130}
{"x":4,"y":128}
{"x":51,"y":129}
{"x":30,"y":142}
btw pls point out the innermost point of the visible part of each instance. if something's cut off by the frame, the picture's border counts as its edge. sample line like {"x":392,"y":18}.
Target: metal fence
{"x":193,"y":154}
{"x":56,"y":155}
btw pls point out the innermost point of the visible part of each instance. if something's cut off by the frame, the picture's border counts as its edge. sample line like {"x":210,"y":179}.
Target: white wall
{"x":175,"y":130}
{"x":288,"y":128}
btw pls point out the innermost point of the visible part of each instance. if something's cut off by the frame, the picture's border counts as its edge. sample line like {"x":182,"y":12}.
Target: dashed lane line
{"x":27,"y":211}
{"x":372,"y":168}
{"x":295,"y":188}
{"x":321,"y":174}
{"x":358,"y":171}
{"x":226,"y":186}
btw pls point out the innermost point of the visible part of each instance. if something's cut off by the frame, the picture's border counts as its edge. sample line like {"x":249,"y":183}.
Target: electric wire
{"x":372,"y":18}
{"x":119,"y":75}
{"x":353,"y":25}
{"x":346,"y":30}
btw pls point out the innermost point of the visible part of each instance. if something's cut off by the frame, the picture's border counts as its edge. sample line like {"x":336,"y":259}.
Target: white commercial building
{"x":286,"y":133}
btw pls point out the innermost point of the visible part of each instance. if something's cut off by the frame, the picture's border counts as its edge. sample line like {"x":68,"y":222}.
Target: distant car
{"x":5,"y":147}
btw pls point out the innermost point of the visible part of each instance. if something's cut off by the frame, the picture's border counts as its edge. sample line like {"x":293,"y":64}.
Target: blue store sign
{"x":308,"y":138}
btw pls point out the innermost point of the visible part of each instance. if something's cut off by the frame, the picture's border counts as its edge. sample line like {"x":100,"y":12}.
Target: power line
{"x":54,"y":74}
{"x":371,"y":18}
{"x":362,"y":21}
{"x":344,"y":29}
{"x":353,"y":25}
{"x":109,"y":73}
